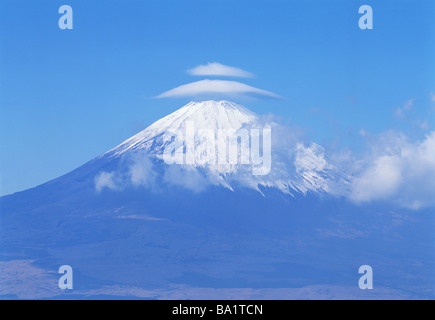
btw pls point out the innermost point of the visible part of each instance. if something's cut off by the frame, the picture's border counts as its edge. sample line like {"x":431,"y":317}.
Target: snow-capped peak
{"x":204,"y":130}
{"x":211,"y":115}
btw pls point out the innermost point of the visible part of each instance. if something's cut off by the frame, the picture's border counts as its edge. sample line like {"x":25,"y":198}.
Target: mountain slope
{"x":212,"y":115}
{"x":207,"y":132}
{"x":131,"y":225}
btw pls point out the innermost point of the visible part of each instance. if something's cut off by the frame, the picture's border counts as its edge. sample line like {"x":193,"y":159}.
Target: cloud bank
{"x":395,"y":169}
{"x":398,"y":170}
{"x":217,"y":69}
{"x":203,"y":87}
{"x":138,"y":172}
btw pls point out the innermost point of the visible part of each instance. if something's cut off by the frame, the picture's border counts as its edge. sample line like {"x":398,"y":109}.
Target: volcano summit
{"x":132,"y":224}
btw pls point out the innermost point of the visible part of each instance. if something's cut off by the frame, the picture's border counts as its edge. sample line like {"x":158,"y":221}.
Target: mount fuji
{"x":297,"y":168}
{"x":132,"y":225}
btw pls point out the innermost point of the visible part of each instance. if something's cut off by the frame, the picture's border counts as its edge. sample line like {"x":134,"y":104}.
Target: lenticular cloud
{"x":216,"y":87}
{"x":217,"y":69}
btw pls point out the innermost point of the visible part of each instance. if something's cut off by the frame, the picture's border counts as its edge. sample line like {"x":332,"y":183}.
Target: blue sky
{"x":67,"y":96}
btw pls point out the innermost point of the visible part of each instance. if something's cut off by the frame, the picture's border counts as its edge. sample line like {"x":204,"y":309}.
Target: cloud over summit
{"x":215,"y":87}
{"x":217,"y":69}
{"x":207,"y":86}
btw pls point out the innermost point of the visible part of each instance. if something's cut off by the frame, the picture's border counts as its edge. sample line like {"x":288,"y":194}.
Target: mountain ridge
{"x":138,"y":223}
{"x":296,"y":168}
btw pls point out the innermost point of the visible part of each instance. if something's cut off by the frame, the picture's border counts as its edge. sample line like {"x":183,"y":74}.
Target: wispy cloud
{"x":142,"y":172}
{"x":137,"y":172}
{"x":401,"y":111}
{"x":217,"y":69}
{"x":105,"y":180}
{"x":206,"y":86}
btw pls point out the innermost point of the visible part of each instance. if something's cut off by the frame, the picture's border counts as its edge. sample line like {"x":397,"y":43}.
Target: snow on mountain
{"x":129,"y":226}
{"x":231,"y":146}
{"x":212,"y":115}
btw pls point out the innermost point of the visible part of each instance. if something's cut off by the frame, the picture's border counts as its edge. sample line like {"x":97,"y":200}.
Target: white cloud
{"x":217,"y":69}
{"x":380,"y":180}
{"x":398,"y":171}
{"x":105,"y":180}
{"x":216,"y":87}
{"x":142,"y":172}
{"x":138,"y":171}
{"x":186,"y":177}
